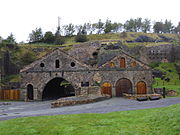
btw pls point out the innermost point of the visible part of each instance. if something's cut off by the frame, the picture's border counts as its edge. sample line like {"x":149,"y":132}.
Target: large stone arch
{"x":57,"y":87}
{"x":123,"y":85}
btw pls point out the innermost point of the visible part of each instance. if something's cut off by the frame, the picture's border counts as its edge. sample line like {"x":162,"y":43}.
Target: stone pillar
{"x":23,"y":94}
{"x":35,"y":92}
{"x":113,"y":91}
{"x":84,"y":91}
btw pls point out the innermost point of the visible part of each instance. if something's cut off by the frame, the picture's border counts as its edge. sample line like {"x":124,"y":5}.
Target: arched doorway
{"x":123,"y":86}
{"x":122,"y":63}
{"x":56,"y":88}
{"x":30,"y":92}
{"x":141,"y":88}
{"x":106,"y":88}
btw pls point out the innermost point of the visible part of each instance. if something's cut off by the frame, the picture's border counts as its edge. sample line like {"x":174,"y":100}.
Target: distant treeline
{"x":80,"y":31}
{"x":131,"y":25}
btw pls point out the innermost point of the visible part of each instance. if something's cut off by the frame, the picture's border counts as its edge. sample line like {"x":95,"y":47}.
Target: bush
{"x":81,"y":38}
{"x":59,"y":40}
{"x":28,"y":58}
{"x":49,"y":37}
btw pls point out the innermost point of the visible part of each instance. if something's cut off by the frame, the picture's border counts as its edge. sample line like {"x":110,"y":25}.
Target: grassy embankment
{"x":171,"y":73}
{"x":158,"y":121}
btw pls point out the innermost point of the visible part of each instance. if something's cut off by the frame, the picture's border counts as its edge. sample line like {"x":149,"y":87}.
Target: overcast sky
{"x":22,"y":16}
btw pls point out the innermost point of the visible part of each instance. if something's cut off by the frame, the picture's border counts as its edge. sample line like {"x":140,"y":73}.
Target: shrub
{"x":81,"y":38}
{"x":49,"y":37}
{"x":154,"y":64}
{"x":59,"y":40}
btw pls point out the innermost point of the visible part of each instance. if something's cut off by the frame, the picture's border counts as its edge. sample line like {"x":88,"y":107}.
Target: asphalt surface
{"x":26,"y":109}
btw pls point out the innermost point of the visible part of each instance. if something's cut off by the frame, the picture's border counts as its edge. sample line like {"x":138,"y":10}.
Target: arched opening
{"x":141,"y":88}
{"x":106,"y":88}
{"x":122,"y":63}
{"x":57,"y":88}
{"x":30,"y":94}
{"x":57,"y":63}
{"x":123,"y":86}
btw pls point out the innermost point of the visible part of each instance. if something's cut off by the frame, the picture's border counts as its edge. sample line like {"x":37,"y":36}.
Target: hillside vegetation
{"x":24,"y":54}
{"x":170,"y":79}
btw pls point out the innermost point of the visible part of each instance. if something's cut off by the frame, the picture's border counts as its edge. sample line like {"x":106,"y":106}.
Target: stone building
{"x":59,"y":74}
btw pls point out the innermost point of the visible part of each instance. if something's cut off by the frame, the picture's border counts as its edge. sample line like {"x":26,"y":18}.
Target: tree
{"x":158,"y":27}
{"x":81,"y":34}
{"x":138,"y":24}
{"x":1,"y":39}
{"x":89,"y":29}
{"x":168,"y":26}
{"x":9,"y":42}
{"x":146,"y":25}
{"x":49,"y":37}
{"x":99,"y":26}
{"x":177,"y":29}
{"x":129,"y":25}
{"x":36,"y":36}
{"x":108,"y":26}
{"x":93,"y":28}
{"x":69,"y":29}
{"x":11,"y":39}
{"x":117,"y":27}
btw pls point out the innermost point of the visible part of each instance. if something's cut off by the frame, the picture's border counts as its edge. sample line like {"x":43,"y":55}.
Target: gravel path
{"x":25,"y":109}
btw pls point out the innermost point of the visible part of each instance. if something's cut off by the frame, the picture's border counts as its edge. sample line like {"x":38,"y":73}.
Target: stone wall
{"x":38,"y":75}
{"x":40,"y":79}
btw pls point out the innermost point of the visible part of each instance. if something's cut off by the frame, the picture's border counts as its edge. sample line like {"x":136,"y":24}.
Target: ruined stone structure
{"x":160,"y":53}
{"x":7,"y":67}
{"x":59,"y":74}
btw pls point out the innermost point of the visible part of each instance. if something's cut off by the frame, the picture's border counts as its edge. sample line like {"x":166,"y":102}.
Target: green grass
{"x":158,"y":121}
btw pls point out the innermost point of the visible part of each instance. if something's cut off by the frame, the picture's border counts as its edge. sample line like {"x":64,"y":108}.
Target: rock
{"x":77,"y":100}
{"x":171,"y":93}
{"x":142,"y":98}
{"x":143,"y":38}
{"x":154,"y":97}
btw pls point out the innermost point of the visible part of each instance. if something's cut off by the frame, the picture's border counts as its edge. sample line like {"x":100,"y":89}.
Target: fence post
{"x":164,"y":92}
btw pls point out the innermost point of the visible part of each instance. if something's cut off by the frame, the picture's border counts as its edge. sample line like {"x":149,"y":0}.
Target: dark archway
{"x":57,"y":88}
{"x":141,"y":88}
{"x":123,"y":86}
{"x":30,"y":92}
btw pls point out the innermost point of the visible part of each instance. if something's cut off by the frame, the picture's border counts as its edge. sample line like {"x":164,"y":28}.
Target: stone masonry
{"x":40,"y":72}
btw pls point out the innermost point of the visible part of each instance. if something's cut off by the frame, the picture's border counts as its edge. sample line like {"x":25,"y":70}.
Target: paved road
{"x":25,"y":109}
